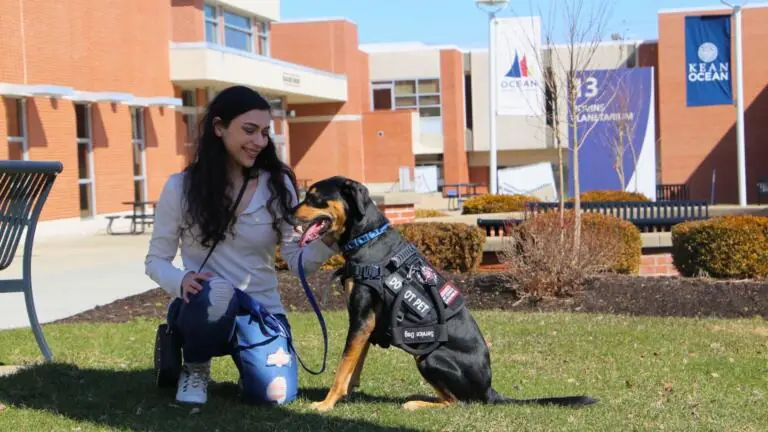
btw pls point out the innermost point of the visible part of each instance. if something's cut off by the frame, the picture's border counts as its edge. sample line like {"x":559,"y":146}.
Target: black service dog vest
{"x":418,"y":301}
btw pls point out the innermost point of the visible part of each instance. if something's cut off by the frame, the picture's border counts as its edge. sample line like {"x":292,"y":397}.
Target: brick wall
{"x":456,"y":163}
{"x":697,"y":140}
{"x":188,"y":17}
{"x":657,"y":265}
{"x":92,"y":46}
{"x":388,"y":144}
{"x":399,"y":214}
{"x":334,"y":135}
{"x":4,"y":127}
{"x":52,"y":136}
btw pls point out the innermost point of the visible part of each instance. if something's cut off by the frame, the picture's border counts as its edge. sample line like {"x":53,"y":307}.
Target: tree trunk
{"x":575,"y":169}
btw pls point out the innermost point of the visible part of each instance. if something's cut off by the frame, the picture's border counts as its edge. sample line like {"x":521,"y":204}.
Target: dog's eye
{"x":314,"y":201}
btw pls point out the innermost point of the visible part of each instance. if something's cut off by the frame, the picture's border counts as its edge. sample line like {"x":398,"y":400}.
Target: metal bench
{"x":24,"y":188}
{"x":672,"y":192}
{"x":762,"y":189}
{"x":498,"y":227}
{"x":648,"y":216}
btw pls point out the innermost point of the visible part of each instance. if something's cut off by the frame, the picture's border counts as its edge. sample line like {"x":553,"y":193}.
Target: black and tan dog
{"x":388,"y":285}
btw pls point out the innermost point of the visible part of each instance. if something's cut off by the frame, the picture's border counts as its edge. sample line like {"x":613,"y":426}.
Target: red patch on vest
{"x":448,"y":293}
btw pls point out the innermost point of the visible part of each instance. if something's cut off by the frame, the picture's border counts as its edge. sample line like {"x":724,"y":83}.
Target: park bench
{"x":762,"y":190}
{"x":647,"y":216}
{"x":498,"y":227}
{"x":24,"y":188}
{"x":672,"y":192}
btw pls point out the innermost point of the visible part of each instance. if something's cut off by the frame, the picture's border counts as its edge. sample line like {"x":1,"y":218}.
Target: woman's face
{"x":246,"y":136}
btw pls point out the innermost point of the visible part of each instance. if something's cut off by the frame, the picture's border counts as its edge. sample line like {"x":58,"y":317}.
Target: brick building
{"x":118,"y":107}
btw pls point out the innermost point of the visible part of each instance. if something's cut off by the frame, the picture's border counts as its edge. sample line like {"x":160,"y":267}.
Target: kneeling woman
{"x":195,"y":212}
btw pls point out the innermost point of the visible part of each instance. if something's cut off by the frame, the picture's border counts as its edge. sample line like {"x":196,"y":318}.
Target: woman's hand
{"x":190,"y":285}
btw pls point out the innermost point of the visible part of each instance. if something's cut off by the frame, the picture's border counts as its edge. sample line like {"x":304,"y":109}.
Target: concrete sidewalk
{"x":71,"y":275}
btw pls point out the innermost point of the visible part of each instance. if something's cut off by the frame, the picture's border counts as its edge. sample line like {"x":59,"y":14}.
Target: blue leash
{"x":268,"y":321}
{"x":313,"y":302}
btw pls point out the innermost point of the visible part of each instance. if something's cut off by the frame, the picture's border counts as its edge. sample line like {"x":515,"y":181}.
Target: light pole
{"x":492,"y":7}
{"x":740,"y":150}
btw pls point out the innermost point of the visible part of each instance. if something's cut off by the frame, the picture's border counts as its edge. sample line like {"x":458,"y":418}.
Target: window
{"x":189,"y":115}
{"x":382,"y":98}
{"x":423,"y":95}
{"x":468,"y":101}
{"x":263,"y":29}
{"x":211,"y":24}
{"x":139,"y":156}
{"x":238,"y":30}
{"x":16,"y":121}
{"x":238,"y":33}
{"x":85,"y":159}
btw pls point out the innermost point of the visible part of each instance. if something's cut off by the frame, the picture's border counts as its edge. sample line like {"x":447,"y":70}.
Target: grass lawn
{"x":649,"y":374}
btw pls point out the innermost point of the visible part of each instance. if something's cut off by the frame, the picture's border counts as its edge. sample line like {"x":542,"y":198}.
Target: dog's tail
{"x":497,"y":398}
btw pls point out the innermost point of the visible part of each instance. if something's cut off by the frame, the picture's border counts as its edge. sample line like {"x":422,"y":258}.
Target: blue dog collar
{"x":364,"y":238}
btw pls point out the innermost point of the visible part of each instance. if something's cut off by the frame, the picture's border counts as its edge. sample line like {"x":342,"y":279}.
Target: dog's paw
{"x":321,"y":406}
{"x":413,"y":405}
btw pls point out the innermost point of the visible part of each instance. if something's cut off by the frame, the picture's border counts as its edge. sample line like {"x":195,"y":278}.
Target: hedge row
{"x":612,"y":196}
{"x":516,"y":203}
{"x":496,"y":203}
{"x":722,"y":247}
{"x":449,"y":246}
{"x":624,"y":236}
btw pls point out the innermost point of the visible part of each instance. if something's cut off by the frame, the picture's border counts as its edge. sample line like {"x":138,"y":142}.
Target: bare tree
{"x":574,"y":31}
{"x":619,"y":135}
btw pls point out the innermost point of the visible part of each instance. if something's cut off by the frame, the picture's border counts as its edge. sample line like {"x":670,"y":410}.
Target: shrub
{"x":448,"y":246}
{"x":428,"y":213}
{"x":722,"y":247}
{"x":542,"y":258}
{"x":496,"y":203}
{"x":612,"y":195}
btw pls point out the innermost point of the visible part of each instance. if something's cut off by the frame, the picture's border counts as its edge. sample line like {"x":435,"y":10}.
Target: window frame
{"x":391,"y":85}
{"x":190,"y":115}
{"x":214,"y":21}
{"x":247,"y":30}
{"x":139,"y":140}
{"x":88,"y":143}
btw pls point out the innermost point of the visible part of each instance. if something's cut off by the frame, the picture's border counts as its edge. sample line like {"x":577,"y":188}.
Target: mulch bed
{"x":631,"y":295}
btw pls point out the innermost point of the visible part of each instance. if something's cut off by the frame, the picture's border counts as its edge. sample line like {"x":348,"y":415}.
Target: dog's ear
{"x":356,"y":196}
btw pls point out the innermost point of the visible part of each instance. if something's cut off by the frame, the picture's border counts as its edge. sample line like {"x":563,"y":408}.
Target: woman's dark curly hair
{"x":208,"y":190}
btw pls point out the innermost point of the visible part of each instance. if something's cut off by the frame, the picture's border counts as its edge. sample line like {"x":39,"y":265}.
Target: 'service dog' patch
{"x":419,"y":335}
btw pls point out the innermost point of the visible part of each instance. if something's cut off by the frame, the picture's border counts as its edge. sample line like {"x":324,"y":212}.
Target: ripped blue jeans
{"x":221,"y":320}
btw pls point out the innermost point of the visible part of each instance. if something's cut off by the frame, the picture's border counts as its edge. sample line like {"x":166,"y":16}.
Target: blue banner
{"x":615,"y":131}
{"x":708,"y":60}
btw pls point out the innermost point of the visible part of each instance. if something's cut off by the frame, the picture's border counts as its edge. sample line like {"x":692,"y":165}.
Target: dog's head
{"x":336,"y":205}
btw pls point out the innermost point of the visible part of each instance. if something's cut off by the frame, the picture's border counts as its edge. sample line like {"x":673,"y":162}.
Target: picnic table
{"x":454,"y":193}
{"x":138,"y":217}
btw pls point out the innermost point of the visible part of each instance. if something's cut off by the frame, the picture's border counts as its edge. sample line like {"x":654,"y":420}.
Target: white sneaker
{"x":193,"y":383}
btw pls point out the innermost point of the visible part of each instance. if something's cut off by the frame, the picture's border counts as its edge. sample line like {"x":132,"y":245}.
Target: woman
{"x":193,"y":212}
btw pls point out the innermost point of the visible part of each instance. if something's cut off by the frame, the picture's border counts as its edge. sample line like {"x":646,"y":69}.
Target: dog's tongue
{"x":311,"y":234}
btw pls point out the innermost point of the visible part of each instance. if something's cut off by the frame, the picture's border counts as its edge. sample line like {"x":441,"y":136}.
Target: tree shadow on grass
{"x":129,"y":400}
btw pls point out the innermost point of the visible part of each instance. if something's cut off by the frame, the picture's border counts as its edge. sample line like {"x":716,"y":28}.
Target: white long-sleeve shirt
{"x":246,"y":261}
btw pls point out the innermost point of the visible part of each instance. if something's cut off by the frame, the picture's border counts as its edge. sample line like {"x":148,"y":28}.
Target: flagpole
{"x":739,"y":60}
{"x":493,"y":7}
